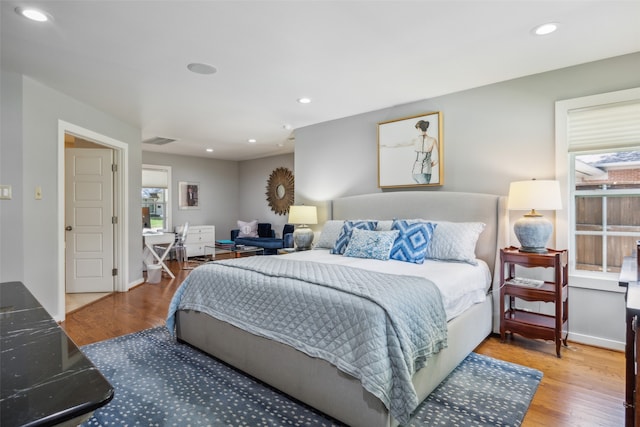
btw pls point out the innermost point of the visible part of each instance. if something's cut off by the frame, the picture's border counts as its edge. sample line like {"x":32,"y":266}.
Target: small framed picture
{"x":410,"y":151}
{"x":188,"y":193}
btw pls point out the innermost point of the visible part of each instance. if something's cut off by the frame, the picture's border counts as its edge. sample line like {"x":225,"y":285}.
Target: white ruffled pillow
{"x":455,"y":241}
{"x":330,"y":232}
{"x":248,"y":229}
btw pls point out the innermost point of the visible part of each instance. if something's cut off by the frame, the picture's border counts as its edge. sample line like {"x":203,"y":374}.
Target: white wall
{"x":11,"y":221}
{"x":30,"y":158}
{"x":218,"y":194}
{"x":492,"y":135}
{"x":254,"y":175}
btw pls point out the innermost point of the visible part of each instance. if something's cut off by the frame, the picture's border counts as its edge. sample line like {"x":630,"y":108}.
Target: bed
{"x":310,"y":378}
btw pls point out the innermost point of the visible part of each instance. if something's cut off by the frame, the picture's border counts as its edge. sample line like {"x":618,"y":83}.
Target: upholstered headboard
{"x":434,"y":205}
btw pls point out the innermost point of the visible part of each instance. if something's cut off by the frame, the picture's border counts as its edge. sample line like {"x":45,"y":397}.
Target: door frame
{"x":120,"y":204}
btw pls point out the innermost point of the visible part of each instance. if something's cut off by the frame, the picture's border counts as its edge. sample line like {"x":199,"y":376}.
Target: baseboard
{"x":586,"y":340}
{"x":135,"y":283}
{"x":596,"y":341}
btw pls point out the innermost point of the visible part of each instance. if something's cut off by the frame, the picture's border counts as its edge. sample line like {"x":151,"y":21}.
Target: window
{"x":606,"y":200}
{"x":598,"y":166}
{"x":156,"y":207}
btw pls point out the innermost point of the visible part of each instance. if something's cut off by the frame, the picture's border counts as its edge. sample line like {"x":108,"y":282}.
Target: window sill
{"x":598,"y":284}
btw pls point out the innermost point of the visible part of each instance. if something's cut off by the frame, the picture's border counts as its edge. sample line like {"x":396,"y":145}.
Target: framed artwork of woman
{"x":410,"y":151}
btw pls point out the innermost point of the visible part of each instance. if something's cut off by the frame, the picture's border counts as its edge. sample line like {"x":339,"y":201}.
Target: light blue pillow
{"x":455,"y":241}
{"x":413,"y":240}
{"x":345,"y":234}
{"x":371,"y":244}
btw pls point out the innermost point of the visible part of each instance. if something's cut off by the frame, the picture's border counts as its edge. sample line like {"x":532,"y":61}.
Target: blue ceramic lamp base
{"x":303,"y":237}
{"x":533,"y":232}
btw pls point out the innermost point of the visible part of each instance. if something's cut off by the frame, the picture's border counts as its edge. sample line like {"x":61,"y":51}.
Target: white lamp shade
{"x":303,"y":215}
{"x":534,"y":194}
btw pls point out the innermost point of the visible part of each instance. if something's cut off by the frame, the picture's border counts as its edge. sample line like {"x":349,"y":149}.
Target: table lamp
{"x":302,"y":216}
{"x":533,"y":230}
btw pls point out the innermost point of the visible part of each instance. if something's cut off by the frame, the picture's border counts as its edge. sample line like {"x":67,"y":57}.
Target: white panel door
{"x":88,"y":218}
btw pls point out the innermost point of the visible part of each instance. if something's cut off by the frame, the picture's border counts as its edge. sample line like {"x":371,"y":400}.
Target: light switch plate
{"x":5,"y":192}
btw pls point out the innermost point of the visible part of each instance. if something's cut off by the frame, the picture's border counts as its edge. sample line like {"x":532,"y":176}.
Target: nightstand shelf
{"x":528,"y":323}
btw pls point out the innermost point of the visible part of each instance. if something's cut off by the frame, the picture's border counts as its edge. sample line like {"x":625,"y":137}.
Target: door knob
{"x":68,"y":228}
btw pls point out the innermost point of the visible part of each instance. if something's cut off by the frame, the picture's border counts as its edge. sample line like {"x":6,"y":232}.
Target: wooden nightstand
{"x":530,"y":324}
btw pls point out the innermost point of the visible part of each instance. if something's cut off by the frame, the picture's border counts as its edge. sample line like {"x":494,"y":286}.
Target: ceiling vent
{"x":158,"y":141}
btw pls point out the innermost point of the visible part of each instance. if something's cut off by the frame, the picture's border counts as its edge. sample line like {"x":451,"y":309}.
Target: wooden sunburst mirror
{"x":280,"y":189}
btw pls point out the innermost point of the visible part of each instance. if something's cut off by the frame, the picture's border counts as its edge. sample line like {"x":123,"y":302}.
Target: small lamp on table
{"x":533,"y":230}
{"x":303,"y":216}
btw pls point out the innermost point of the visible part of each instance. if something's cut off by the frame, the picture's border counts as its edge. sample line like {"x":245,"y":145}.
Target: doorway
{"x":88,"y":217}
{"x":114,"y":242}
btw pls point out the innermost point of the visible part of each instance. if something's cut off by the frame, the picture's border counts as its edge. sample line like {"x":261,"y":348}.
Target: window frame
{"x":565,"y":174}
{"x":168,"y":209}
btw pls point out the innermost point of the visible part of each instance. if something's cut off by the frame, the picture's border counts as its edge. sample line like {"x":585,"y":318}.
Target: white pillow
{"x":384,"y":225}
{"x":455,"y":241}
{"x":330,"y":232}
{"x":248,"y":229}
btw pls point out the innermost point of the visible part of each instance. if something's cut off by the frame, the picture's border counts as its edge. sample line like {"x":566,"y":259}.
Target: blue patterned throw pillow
{"x":413,"y":240}
{"x":345,"y":234}
{"x":371,"y":244}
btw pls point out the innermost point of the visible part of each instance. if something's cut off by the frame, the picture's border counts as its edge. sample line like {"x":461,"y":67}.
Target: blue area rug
{"x":159,"y":382}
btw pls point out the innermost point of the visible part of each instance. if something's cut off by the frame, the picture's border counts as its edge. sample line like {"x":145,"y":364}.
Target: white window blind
{"x":608,"y":126}
{"x":155,"y":178}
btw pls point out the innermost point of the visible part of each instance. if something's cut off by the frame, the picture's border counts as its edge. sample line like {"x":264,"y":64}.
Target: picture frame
{"x":188,"y":195}
{"x":410,"y":151}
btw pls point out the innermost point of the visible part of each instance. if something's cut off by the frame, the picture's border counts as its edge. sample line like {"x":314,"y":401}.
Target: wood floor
{"x":583,"y":388}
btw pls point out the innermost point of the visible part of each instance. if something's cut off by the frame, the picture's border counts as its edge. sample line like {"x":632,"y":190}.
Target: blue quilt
{"x":379,"y":328}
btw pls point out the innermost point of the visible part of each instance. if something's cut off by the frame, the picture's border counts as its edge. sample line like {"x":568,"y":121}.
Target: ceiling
{"x":129,"y":58}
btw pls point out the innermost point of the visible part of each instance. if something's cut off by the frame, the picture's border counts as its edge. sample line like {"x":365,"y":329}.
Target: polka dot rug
{"x":159,"y":382}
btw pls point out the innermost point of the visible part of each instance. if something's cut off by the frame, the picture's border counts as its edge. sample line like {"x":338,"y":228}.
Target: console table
{"x":630,"y":277}
{"x":45,"y":379}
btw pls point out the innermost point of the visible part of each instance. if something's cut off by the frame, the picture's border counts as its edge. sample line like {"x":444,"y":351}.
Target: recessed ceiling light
{"x":33,"y":14}
{"x":251,"y":141}
{"x":209,"y":150}
{"x":199,"y":68}
{"x":544,"y":29}
{"x":304,"y":100}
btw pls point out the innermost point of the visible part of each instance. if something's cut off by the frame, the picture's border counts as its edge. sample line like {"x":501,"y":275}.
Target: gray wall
{"x":219,"y":191}
{"x":30,"y":157}
{"x":254,"y":175}
{"x":492,"y":135}
{"x":229,"y":191}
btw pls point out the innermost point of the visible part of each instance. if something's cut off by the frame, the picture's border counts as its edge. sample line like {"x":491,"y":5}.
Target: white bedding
{"x":461,"y":285}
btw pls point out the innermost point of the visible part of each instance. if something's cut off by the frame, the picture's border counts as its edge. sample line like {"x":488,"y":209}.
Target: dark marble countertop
{"x":45,"y":379}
